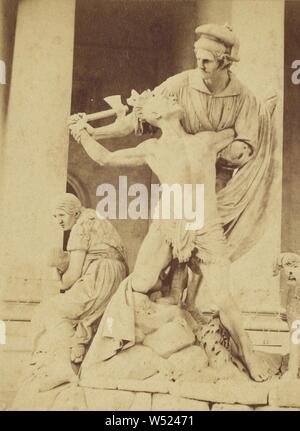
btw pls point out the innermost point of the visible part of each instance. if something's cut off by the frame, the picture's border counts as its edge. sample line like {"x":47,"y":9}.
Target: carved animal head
{"x":290,"y":264}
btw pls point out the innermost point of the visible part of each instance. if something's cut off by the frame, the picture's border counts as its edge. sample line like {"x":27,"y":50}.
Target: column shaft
{"x":36,"y":146}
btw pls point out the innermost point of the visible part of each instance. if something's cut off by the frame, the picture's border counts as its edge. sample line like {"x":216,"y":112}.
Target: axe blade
{"x":114,"y":101}
{"x":118,"y":109}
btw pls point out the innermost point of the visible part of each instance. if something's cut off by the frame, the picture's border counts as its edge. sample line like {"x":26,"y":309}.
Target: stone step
{"x":27,"y":289}
{"x":20,"y":311}
{"x":266,"y":322}
{"x":19,"y":289}
{"x":18,"y":328}
{"x":16,"y":344}
{"x":270,"y":341}
{"x":17,"y":336}
{"x":269,"y":338}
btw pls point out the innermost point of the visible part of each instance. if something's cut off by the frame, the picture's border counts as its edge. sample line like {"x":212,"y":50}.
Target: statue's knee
{"x":143,"y":282}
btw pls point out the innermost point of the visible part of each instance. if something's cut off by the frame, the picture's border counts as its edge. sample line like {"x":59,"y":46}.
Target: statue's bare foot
{"x":77,"y":353}
{"x":230,"y":372}
{"x":258,"y":367}
{"x":274,"y":363}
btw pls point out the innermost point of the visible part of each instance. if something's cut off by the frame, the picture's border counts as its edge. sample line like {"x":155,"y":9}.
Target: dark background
{"x":291,"y":133}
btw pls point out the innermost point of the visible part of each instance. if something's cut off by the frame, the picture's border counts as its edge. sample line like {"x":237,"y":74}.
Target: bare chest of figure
{"x":181,"y":161}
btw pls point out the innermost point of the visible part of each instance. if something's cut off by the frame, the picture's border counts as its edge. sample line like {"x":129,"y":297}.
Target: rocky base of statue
{"x":172,"y":345}
{"x":176,"y":352}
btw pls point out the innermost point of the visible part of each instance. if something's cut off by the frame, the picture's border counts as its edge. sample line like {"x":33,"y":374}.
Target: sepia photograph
{"x":149,"y":217}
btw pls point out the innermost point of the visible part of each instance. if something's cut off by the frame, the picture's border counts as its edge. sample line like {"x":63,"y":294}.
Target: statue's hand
{"x":77,"y":123}
{"x":77,"y":128}
{"x":58,"y":258}
{"x":76,"y":117}
{"x":236,"y":154}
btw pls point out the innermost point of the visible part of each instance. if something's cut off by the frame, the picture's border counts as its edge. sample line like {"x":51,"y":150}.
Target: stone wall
{"x":151,"y":396}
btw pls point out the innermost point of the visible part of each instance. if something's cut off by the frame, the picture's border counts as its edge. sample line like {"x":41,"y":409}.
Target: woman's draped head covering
{"x":68,"y":203}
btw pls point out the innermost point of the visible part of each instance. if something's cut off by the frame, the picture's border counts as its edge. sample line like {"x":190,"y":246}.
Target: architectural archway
{"x":77,"y":188}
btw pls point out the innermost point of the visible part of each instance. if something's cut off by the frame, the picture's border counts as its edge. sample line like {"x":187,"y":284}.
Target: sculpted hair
{"x":68,"y":203}
{"x":220,"y":52}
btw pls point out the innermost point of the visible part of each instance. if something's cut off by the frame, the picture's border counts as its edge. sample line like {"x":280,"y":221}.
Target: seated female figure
{"x":90,"y":272}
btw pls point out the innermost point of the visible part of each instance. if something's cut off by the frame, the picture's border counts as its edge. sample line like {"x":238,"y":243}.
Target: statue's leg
{"x":52,"y":334}
{"x":47,"y":319}
{"x":217,"y":278}
{"x":194,"y":281}
{"x":193,"y":285}
{"x":154,"y":255}
{"x":178,"y":282}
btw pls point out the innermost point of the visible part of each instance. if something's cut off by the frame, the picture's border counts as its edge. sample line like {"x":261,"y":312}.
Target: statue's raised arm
{"x":123,"y":126}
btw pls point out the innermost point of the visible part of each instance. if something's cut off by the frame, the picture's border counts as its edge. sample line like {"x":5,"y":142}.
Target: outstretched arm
{"x":121,"y":127}
{"x":224,"y":143}
{"x":217,"y":141}
{"x":128,"y":157}
{"x":222,"y":139}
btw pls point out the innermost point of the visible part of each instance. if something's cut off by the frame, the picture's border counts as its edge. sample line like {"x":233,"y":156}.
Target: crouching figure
{"x":90,"y":271}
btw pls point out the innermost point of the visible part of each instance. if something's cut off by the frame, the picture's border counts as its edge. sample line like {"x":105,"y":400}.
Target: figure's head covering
{"x":68,"y":203}
{"x":219,"y":40}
